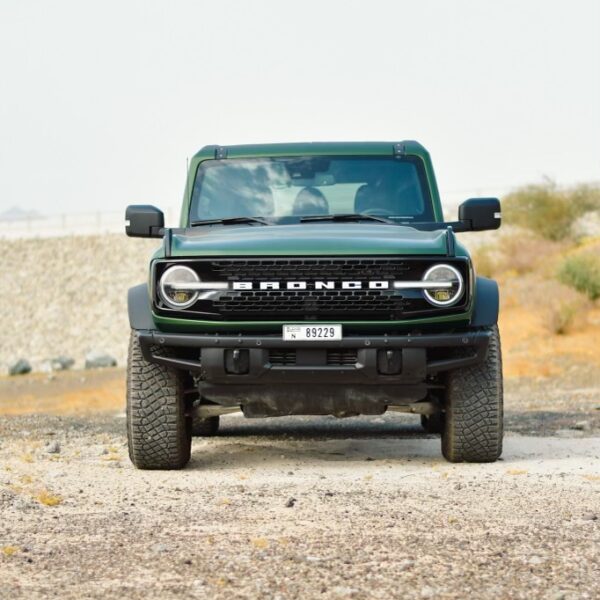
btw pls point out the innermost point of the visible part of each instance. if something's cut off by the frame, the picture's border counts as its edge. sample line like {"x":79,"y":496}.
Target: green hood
{"x":323,"y":239}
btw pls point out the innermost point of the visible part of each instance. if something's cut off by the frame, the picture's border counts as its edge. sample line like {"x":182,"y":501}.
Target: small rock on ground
{"x":98,"y":360}
{"x":21,"y":367}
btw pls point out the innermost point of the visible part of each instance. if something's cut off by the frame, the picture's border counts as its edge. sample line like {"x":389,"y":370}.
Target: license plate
{"x":307,"y":333}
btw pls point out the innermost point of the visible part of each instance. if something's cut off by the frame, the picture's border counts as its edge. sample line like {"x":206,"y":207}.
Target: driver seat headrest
{"x":310,"y":201}
{"x":363,"y":198}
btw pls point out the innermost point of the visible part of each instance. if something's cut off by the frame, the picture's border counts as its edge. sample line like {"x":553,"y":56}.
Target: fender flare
{"x":487,"y":303}
{"x":138,"y":307}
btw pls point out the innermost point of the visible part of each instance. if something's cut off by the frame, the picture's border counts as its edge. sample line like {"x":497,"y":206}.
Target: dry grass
{"x":548,"y":210}
{"x":564,"y":310}
{"x":47,"y":499}
{"x":516,"y":472}
{"x":516,"y":254}
{"x":582,"y":272}
{"x":111,"y":457}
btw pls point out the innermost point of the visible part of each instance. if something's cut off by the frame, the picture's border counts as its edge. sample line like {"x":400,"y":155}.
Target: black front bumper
{"x":371,"y":372}
{"x":394,"y":359}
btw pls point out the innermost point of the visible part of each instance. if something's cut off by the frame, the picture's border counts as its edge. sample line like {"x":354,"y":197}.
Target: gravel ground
{"x":299,"y":508}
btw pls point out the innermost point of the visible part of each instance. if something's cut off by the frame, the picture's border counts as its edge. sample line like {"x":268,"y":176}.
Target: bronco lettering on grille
{"x":311,"y":285}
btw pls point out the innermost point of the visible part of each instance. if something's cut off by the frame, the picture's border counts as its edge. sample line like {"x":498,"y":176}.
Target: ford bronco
{"x":312,"y":279}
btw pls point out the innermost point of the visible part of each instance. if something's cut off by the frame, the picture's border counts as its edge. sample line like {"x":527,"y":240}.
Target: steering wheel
{"x":378,"y":212}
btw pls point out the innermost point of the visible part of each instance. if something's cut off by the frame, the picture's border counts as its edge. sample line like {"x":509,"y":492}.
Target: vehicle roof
{"x":312,"y":148}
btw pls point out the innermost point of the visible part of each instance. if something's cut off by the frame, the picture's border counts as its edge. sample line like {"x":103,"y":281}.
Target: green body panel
{"x":309,"y":239}
{"x":410,"y":148}
{"x":369,"y":327}
{"x":329,"y":240}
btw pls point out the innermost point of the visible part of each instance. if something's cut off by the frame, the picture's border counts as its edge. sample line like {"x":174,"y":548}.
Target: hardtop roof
{"x":312,"y":149}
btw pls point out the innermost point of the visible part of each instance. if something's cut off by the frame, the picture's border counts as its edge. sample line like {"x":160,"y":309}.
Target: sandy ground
{"x":300,"y":508}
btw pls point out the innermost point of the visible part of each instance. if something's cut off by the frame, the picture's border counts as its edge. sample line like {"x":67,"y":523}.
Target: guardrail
{"x":93,"y":223}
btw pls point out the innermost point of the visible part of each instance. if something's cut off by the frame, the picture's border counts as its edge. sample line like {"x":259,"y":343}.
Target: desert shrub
{"x":485,"y":260}
{"x":560,"y":308}
{"x":548,"y":210}
{"x":565,"y":311}
{"x":519,"y":253}
{"x":585,"y":196}
{"x":582,"y":272}
{"x":525,"y":253}
{"x":562,"y":316}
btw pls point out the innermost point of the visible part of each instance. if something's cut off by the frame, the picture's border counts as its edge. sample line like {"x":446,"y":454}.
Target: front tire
{"x":159,"y":431}
{"x":473,"y":423}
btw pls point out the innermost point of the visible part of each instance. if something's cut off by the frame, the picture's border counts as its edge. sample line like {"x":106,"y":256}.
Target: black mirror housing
{"x":480,"y":214}
{"x":143,"y":220}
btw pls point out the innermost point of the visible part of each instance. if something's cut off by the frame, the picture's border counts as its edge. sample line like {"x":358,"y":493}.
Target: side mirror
{"x":478,"y":214}
{"x":143,"y":220}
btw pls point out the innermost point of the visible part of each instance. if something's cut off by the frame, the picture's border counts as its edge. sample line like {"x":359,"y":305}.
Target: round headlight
{"x":172,"y":286}
{"x":451,"y":285}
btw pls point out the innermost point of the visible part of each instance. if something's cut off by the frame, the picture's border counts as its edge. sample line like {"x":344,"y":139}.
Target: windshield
{"x":292,"y":188}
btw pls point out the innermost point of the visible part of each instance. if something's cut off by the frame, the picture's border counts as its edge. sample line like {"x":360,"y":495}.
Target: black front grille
{"x":312,"y":304}
{"x":292,"y":269}
{"x":292,"y":301}
{"x":338,"y":358}
{"x":342,"y":357}
{"x":282,"y":358}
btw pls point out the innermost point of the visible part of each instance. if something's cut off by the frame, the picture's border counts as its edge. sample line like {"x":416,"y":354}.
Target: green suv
{"x":312,"y":279}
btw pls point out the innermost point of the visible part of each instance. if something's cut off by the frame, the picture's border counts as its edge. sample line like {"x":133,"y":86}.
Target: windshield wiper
{"x":231,"y":221}
{"x":345,"y":217}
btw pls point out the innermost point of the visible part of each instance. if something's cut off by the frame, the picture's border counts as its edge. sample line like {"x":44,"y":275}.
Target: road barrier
{"x":92,"y":223}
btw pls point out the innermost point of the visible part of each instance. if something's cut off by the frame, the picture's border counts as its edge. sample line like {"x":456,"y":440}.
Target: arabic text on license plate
{"x":307,"y":333}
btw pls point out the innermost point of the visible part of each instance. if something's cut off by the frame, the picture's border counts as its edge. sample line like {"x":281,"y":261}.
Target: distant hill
{"x":14,"y":213}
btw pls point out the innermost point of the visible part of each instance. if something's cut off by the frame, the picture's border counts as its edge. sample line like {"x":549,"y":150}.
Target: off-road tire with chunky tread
{"x":205,"y":427}
{"x":473,"y":423}
{"x":158,"y":426}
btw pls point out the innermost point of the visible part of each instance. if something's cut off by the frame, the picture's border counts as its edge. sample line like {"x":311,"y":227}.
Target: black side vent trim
{"x":282,"y":358}
{"x":348,"y":356}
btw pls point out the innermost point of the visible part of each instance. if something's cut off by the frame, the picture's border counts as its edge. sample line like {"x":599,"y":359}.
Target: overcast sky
{"x":102,"y":102}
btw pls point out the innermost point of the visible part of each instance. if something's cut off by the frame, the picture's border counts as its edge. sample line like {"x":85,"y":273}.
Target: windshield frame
{"x":429,"y":203}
